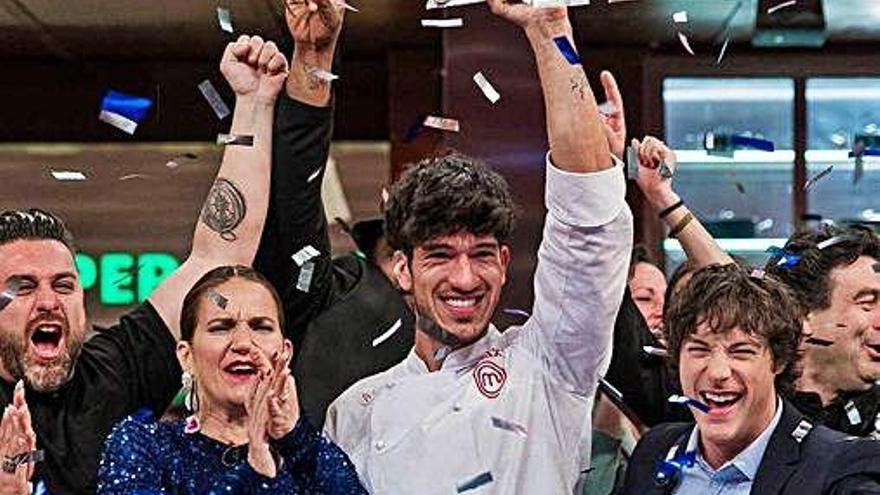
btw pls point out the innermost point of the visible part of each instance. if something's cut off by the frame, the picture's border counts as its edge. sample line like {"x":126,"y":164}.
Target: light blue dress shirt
{"x":736,"y":476}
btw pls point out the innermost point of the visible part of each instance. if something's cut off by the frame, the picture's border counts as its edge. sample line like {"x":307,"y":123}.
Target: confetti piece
{"x":684,"y":42}
{"x":778,"y":7}
{"x":516,"y":312}
{"x":134,"y":176}
{"x":442,"y":4}
{"x":118,"y":121}
{"x":221,"y":110}
{"x":441,"y":353}
{"x":765,"y":224}
{"x":546,"y":4}
{"x":852,"y":413}
{"x":681,"y":399}
{"x":509,"y":426}
{"x":486,"y":87}
{"x":385,"y":196}
{"x":10,"y":292}
{"x":443,"y":23}
{"x":441,"y":123}
{"x":607,"y":108}
{"x":723,"y":51}
{"x":816,"y":178}
{"x":831,"y":241}
{"x":347,"y":6}
{"x":610,"y":390}
{"x":305,"y":254}
{"x":475,"y":482}
{"x":670,"y":470}
{"x":133,"y":108}
{"x":680,"y":17}
{"x":68,"y":175}
{"x":304,"y":282}
{"x":664,"y":171}
{"x":632,"y":163}
{"x":388,"y":333}
{"x":752,"y":142}
{"x":819,"y":341}
{"x":225,"y":19}
{"x":234,"y":139}
{"x":655,"y":351}
{"x":784,"y":258}
{"x":218,"y":299}
{"x":567,"y":50}
{"x":321,"y":74}
{"x":757,"y":273}
{"x":314,"y":175}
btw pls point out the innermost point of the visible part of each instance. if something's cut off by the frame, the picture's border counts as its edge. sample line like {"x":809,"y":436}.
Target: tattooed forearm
{"x":224,"y":209}
{"x":579,"y":86}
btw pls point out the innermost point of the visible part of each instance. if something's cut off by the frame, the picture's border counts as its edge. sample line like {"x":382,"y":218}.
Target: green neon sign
{"x":124,"y":278}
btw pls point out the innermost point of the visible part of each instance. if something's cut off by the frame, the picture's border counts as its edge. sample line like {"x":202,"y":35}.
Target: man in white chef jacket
{"x":471,"y":409}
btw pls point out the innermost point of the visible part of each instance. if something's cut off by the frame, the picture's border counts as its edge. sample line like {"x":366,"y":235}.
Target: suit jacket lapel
{"x":780,"y":459}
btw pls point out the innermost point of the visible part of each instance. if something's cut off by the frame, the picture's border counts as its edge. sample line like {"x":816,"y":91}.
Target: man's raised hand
{"x":254,"y":68}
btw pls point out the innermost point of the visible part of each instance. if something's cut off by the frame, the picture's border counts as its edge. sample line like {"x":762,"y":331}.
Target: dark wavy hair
{"x":441,"y":196}
{"x":810,"y":278}
{"x":727,"y":297}
{"x":34,"y":225}
{"x":212,"y":279}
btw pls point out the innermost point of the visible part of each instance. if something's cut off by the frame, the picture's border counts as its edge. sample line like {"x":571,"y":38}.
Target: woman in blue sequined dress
{"x":246,"y":435}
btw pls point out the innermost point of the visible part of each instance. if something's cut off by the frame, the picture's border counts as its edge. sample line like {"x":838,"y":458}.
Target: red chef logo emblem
{"x":490,"y":378}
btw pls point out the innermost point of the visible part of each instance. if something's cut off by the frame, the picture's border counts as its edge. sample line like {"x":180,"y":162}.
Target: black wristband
{"x":666,"y":211}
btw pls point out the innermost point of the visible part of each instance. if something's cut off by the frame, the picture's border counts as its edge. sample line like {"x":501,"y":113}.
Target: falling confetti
{"x":225,"y":19}
{"x":765,"y":224}
{"x":305,"y":254}
{"x":567,"y":50}
{"x":475,"y":482}
{"x":655,"y":351}
{"x":134,"y":176}
{"x":443,"y":23}
{"x":221,"y":110}
{"x":784,"y":258}
{"x":772,"y":10}
{"x":684,"y":42}
{"x":441,"y":123}
{"x":68,"y":175}
{"x":10,"y":292}
{"x":516,"y":312}
{"x":680,"y":17}
{"x":321,"y":74}
{"x":831,"y":241}
{"x":388,"y":333}
{"x":235,"y":139}
{"x":486,"y":87}
{"x":723,"y":51}
{"x":607,"y":108}
{"x":304,"y":282}
{"x":124,"y":111}
{"x":816,"y":178}
{"x":509,"y":426}
{"x":218,"y":299}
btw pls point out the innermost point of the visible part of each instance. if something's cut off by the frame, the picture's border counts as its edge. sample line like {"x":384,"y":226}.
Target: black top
{"x":348,"y":303}
{"x":800,"y":459}
{"x":854,"y":413}
{"x":120,"y":370}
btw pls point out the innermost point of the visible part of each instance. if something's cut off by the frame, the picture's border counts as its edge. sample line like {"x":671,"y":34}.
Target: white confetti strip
{"x":348,"y":6}
{"x":9,"y":294}
{"x":388,"y":333}
{"x":509,"y":426}
{"x":655,"y":351}
{"x":235,"y":139}
{"x":120,"y":122}
{"x":486,"y":87}
{"x":816,"y":178}
{"x":322,"y":74}
{"x":225,"y":19}
{"x":217,"y":104}
{"x":443,"y":23}
{"x":134,"y":176}
{"x":314,"y":175}
{"x":305,"y":277}
{"x":723,"y":51}
{"x":780,"y":6}
{"x":680,"y":17}
{"x":684,"y":41}
{"x":68,"y":175}
{"x":607,"y":108}
{"x":305,"y":254}
{"x":441,"y":123}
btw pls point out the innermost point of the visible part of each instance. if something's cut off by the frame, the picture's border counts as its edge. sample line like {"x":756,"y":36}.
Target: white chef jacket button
{"x":380,"y":445}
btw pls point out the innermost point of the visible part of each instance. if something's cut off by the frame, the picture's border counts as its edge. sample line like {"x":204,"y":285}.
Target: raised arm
{"x":301,"y":145}
{"x":232,"y":218}
{"x":584,"y":253}
{"x":698,"y":244}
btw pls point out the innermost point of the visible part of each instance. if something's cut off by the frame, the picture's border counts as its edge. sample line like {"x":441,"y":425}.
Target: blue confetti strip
{"x":567,"y":50}
{"x":784,"y":258}
{"x":864,"y":152}
{"x":752,"y":142}
{"x":681,"y":399}
{"x":516,"y":312}
{"x":131,"y":107}
{"x":670,"y":471}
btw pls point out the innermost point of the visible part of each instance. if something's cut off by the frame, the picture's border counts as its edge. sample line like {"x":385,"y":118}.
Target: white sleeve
{"x":579,"y":281}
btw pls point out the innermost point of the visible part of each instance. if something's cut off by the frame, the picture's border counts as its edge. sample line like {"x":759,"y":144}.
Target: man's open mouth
{"x":461,"y":306}
{"x":720,"y":400}
{"x":46,"y":340}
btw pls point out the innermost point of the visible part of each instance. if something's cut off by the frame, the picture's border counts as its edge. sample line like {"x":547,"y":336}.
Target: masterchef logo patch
{"x":490,"y":378}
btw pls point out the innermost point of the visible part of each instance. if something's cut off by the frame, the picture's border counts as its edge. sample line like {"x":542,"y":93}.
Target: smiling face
{"x":733,"y":373}
{"x":42,"y":329}
{"x":221,"y":354}
{"x":852,"y":323}
{"x":456,"y":281}
{"x":648,"y":288}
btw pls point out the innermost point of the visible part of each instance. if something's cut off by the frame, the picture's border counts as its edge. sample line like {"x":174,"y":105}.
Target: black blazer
{"x":801,"y":459}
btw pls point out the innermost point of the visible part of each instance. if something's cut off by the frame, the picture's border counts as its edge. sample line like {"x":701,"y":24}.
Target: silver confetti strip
{"x":235,"y":139}
{"x":221,"y":110}
{"x":321,"y":74}
{"x":120,"y":122}
{"x":10,"y":292}
{"x":441,"y":123}
{"x":314,"y":175}
{"x":680,"y":17}
{"x":475,"y":482}
{"x":225,"y":19}
{"x":509,"y":426}
{"x":685,"y":43}
{"x":305,"y":254}
{"x":655,"y":351}
{"x":441,"y":353}
{"x":443,"y":23}
{"x":632,"y":163}
{"x":852,"y":413}
{"x":780,"y":6}
{"x":388,"y":333}
{"x":816,"y":178}
{"x":218,"y":299}
{"x":723,"y":51}
{"x":831,"y":241}
{"x":486,"y":87}
{"x":68,"y":175}
{"x":304,"y":282}
{"x":665,"y":171}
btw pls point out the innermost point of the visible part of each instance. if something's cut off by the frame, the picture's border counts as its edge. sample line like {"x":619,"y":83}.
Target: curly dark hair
{"x":441,"y":196}
{"x":810,"y":278}
{"x":34,"y":225}
{"x":727,"y":297}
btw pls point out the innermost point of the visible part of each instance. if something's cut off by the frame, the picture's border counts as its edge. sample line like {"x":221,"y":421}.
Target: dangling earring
{"x":191,"y":402}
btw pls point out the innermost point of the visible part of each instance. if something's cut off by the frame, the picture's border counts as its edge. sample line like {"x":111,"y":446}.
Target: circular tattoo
{"x":224,"y":209}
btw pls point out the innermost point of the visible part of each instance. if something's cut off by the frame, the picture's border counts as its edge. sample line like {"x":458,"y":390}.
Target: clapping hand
{"x":17,"y":438}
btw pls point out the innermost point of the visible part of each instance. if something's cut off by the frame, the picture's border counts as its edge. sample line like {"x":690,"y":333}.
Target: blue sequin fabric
{"x":143,"y":456}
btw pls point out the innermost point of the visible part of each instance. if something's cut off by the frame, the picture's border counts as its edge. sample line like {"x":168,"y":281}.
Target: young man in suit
{"x":735,"y":340}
